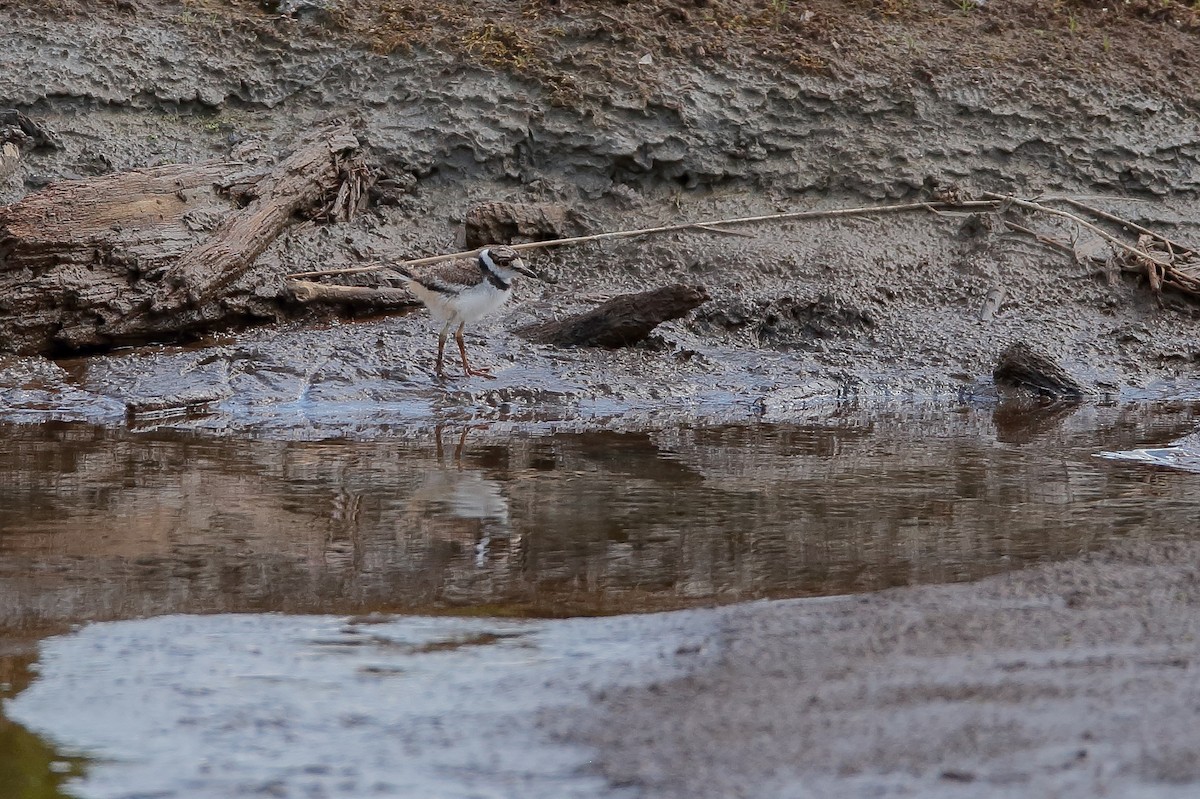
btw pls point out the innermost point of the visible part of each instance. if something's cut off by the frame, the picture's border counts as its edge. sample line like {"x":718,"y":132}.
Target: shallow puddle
{"x":518,"y":520}
{"x":526,"y":519}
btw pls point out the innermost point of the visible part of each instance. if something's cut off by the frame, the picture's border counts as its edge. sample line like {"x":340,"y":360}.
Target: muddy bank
{"x":876,"y":306}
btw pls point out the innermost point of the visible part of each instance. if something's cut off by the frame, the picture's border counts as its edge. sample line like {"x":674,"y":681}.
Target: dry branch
{"x":1091,"y":209}
{"x":628,"y":234}
{"x":1165,"y":262}
{"x":1045,"y":209}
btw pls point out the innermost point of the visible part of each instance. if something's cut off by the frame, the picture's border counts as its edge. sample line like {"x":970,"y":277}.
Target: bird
{"x":465,"y":290}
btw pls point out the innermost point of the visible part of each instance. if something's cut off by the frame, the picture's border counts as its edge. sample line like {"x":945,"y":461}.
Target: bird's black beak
{"x":519,"y":266}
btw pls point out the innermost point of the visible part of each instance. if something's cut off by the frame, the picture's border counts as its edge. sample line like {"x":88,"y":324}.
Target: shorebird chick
{"x":464,"y":291}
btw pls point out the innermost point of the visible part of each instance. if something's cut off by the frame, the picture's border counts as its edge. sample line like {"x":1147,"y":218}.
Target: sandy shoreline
{"x":1075,"y":679}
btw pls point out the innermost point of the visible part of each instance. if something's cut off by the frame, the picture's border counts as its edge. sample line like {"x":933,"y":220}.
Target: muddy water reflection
{"x":103,"y":523}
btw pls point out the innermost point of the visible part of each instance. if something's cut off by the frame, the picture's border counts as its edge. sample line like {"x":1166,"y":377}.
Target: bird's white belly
{"x":477,"y":302}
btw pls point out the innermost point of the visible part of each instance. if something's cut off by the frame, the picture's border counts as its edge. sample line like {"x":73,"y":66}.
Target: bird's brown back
{"x":451,"y":276}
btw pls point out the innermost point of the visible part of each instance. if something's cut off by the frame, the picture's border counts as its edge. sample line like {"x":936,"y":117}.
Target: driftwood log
{"x":163,"y":251}
{"x":621,"y":321}
{"x":1021,"y":366}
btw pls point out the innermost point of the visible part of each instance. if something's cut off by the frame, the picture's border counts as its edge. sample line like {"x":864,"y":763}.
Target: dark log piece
{"x":154,"y":253}
{"x":1021,"y":366}
{"x":20,"y":129}
{"x":621,"y":321}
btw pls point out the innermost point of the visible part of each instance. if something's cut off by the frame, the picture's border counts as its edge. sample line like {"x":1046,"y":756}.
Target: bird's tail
{"x":400,"y":272}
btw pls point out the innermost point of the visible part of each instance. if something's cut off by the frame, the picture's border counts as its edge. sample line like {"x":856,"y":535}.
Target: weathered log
{"x":1019,"y":365}
{"x":621,"y":321}
{"x":153,"y":253}
{"x":80,"y":258}
{"x":301,"y":181}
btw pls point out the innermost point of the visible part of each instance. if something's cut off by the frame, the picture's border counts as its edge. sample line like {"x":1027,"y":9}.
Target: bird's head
{"x":505,"y":262}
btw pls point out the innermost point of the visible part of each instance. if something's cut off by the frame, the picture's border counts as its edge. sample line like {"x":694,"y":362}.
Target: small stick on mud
{"x":307,"y":292}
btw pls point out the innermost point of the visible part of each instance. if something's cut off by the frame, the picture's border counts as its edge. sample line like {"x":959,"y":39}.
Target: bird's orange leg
{"x":441,"y":351}
{"x":462,"y":349}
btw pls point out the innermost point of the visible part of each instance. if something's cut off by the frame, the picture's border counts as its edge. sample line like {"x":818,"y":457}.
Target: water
{"x":533,"y":520}
{"x":102,"y":523}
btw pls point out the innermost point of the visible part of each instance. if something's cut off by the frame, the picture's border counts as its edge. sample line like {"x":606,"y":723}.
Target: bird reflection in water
{"x":461,"y":506}
{"x":343,"y":545}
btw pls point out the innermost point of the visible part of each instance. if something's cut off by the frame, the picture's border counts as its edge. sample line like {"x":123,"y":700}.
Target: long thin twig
{"x":723,"y":231}
{"x":1045,"y":209}
{"x":626,"y":234}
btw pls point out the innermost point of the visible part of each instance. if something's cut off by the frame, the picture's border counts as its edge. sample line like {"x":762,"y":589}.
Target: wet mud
{"x":1069,"y":680}
{"x":247,"y":705}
